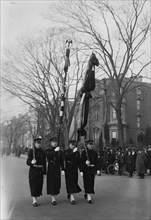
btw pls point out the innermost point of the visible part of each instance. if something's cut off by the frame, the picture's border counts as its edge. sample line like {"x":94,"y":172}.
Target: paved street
{"x":117,"y":197}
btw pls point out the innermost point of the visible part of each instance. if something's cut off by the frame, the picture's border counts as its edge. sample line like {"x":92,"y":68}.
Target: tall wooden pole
{"x":67,"y":64}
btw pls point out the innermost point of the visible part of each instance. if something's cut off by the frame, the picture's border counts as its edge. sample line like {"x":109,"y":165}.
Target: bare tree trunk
{"x":120,"y":126}
{"x":105,"y":115}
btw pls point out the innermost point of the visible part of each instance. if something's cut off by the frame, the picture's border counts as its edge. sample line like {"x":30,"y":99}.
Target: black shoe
{"x":68,"y":196}
{"x":54,"y":203}
{"x":90,"y":201}
{"x":73,"y":202}
{"x":85,"y":196}
{"x":35,"y":204}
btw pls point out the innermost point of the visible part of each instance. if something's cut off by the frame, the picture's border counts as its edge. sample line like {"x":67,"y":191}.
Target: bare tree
{"x":35,"y":75}
{"x":117,"y":32}
{"x":13,"y":130}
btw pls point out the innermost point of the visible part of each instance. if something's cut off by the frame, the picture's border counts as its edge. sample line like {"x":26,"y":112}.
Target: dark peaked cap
{"x":53,"y":139}
{"x":37,"y":139}
{"x":72,"y":142}
{"x":89,"y":142}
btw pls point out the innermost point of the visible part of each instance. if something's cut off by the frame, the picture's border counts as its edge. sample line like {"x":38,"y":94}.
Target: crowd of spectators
{"x":132,"y":159}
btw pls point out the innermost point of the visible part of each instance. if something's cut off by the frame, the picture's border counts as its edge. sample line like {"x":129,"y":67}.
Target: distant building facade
{"x":136,"y":108}
{"x":136,"y":116}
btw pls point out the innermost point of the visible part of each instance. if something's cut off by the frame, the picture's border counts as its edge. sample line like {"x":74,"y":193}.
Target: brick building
{"x":136,"y":114}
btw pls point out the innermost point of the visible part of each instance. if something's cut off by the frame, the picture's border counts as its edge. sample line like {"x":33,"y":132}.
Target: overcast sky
{"x":20,"y":18}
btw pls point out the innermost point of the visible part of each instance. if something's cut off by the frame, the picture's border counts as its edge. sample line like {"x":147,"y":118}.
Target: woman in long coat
{"x":37,"y":162}
{"x":55,"y":168}
{"x":88,"y":169}
{"x":140,"y":163}
{"x":72,"y":162}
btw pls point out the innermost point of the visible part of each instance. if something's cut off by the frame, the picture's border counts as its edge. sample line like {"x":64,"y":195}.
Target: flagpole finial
{"x":68,"y":42}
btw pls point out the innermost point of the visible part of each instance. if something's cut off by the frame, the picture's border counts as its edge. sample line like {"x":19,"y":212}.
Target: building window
{"x":114,"y":134}
{"x":101,"y":92}
{"x":123,"y":113}
{"x":138,"y":104}
{"x":96,"y":114}
{"x":138,"y":91}
{"x":96,"y":135}
{"x":113,"y":114}
{"x":138,"y":122}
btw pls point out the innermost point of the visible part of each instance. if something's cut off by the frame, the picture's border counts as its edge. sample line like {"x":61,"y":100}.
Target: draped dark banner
{"x":87,"y":86}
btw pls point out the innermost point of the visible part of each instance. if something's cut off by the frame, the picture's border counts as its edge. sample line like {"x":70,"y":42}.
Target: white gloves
{"x":87,"y":162}
{"x":62,"y":172}
{"x":81,"y":173}
{"x":98,"y":172}
{"x":75,"y":149}
{"x":33,"y":161}
{"x":57,"y":149}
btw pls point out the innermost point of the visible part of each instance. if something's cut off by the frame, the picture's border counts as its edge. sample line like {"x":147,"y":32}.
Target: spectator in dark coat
{"x":89,"y":167}
{"x":37,"y":162}
{"x":120,"y":157}
{"x":111,"y":157}
{"x":145,"y":150}
{"x":106,"y":159}
{"x":129,"y":163}
{"x":55,"y":168}
{"x":134,"y":155}
{"x":72,"y":163}
{"x":148,"y":159}
{"x":140,"y":163}
{"x":100,"y":160}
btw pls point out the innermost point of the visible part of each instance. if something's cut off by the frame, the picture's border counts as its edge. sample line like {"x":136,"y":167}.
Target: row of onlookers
{"x":133,"y":160}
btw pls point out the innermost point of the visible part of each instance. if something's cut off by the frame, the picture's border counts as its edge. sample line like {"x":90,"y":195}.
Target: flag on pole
{"x":87,"y":86}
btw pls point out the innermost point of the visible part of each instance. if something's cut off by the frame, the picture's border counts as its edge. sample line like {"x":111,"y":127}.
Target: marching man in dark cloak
{"x":88,"y":169}
{"x":55,"y":168}
{"x":37,"y":162}
{"x":72,"y":162}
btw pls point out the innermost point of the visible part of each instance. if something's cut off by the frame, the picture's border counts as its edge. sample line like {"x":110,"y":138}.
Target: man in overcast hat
{"x":55,"y":168}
